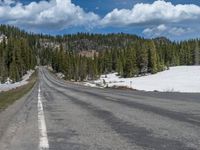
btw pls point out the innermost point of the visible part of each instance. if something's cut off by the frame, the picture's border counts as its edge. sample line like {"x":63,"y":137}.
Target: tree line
{"x":17,"y":54}
{"x":129,"y":55}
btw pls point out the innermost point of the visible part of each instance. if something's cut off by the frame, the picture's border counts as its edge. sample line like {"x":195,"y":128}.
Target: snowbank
{"x":60,"y":75}
{"x":177,"y":79}
{"x":8,"y":86}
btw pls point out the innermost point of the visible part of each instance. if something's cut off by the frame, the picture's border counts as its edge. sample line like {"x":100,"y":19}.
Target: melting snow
{"x":176,"y":79}
{"x":8,"y":86}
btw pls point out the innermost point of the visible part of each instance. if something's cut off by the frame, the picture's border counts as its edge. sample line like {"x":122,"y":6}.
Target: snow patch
{"x":8,"y":85}
{"x":60,"y":75}
{"x":176,"y":79}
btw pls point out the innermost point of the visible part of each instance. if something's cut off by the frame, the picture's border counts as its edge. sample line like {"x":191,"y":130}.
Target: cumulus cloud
{"x":158,"y":18}
{"x":180,"y":30}
{"x":7,"y":2}
{"x":159,"y":12}
{"x":166,"y":31}
{"x":49,"y":14}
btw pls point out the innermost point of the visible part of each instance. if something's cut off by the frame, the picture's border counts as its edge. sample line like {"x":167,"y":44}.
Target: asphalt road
{"x":57,"y":115}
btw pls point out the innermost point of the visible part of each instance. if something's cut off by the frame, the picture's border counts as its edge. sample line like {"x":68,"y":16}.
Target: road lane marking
{"x":43,"y":143}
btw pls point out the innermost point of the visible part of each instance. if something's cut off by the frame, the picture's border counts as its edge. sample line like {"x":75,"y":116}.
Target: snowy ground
{"x":177,"y":79}
{"x":9,"y":86}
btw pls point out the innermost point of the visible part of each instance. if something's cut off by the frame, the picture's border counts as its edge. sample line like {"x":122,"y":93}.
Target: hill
{"x":85,"y":56}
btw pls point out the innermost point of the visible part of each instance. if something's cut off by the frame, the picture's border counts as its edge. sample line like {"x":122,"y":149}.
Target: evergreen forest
{"x":85,"y":56}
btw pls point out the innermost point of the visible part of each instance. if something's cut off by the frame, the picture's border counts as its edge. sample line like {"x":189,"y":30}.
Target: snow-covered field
{"x":9,"y":86}
{"x":176,"y":79}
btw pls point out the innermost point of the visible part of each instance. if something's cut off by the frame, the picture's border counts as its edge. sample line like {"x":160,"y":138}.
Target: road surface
{"x":58,"y":115}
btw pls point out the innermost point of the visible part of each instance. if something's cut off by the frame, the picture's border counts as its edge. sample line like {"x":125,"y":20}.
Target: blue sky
{"x":176,"y":19}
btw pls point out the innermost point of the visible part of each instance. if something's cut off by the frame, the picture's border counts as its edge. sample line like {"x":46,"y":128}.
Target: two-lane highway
{"x":58,"y":115}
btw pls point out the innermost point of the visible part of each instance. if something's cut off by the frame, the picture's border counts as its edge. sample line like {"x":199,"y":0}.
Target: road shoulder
{"x":9,"y":113}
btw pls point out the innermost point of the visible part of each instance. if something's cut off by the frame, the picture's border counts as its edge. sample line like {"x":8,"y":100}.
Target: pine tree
{"x":142,"y":59}
{"x":153,"y":62}
{"x":119,"y":67}
{"x":130,"y":67}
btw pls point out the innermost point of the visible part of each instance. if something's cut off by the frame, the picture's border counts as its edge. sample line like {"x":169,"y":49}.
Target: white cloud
{"x":163,"y":30}
{"x":180,"y":31}
{"x":162,"y":27}
{"x":159,"y":12}
{"x":155,"y":31}
{"x":53,"y":14}
{"x":159,"y":18}
{"x":7,"y":2}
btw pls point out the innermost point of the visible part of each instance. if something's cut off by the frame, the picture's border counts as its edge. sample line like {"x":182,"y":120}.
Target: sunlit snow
{"x":8,"y":86}
{"x":176,"y":79}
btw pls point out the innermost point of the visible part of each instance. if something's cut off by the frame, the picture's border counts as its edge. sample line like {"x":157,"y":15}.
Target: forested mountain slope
{"x":129,"y":55}
{"x":17,"y":53}
{"x":86,"y":56}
